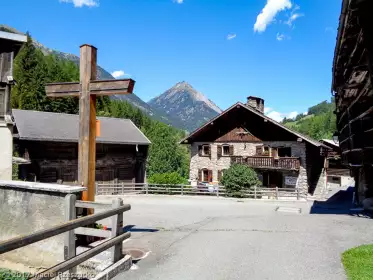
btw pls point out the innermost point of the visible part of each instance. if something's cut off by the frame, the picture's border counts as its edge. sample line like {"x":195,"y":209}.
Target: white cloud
{"x":278,"y":116}
{"x":119,"y":73}
{"x":292,"y":115}
{"x":280,"y":37}
{"x":329,"y":29}
{"x":179,"y":1}
{"x":305,"y":113}
{"x":269,"y":12}
{"x":81,"y":3}
{"x":231,"y":36}
{"x":292,"y":18}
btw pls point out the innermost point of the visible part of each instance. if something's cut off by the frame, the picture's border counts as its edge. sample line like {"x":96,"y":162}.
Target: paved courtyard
{"x":217,"y":238}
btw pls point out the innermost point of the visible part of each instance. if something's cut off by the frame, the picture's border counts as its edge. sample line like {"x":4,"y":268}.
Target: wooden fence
{"x":73,"y":226}
{"x":205,"y":190}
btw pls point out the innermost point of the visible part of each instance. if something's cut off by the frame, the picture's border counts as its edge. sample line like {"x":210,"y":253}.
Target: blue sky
{"x":280,"y":50}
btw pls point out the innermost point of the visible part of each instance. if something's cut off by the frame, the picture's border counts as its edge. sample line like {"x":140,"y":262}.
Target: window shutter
{"x":200,"y":150}
{"x":210,"y":176}
{"x":219,"y":175}
{"x":259,"y":150}
{"x":231,"y":150}
{"x":199,"y":175}
{"x":220,"y":150}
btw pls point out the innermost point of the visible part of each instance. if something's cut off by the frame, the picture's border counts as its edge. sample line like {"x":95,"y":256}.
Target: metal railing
{"x":74,"y":226}
{"x":206,"y":190}
{"x":287,"y":163}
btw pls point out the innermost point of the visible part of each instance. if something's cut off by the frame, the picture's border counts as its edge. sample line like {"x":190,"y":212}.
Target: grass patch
{"x":358,"y":262}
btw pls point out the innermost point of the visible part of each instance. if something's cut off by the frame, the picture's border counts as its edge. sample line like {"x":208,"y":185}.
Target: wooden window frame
{"x":227,"y":152}
{"x":203,"y":152}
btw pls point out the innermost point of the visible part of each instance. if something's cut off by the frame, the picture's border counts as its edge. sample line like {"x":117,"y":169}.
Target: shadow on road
{"x":338,"y":204}
{"x":132,"y":228}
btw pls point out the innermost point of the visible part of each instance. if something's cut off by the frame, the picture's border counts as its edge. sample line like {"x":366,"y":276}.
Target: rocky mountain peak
{"x":188,"y":105}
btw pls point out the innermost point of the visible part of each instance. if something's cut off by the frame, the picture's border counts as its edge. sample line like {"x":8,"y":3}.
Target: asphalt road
{"x":212,"y":238}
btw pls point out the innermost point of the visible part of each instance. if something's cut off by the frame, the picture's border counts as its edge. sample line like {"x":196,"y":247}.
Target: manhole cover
{"x":135,"y":253}
{"x":288,"y":210}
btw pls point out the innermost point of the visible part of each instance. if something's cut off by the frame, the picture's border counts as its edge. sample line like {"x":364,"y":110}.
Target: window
{"x":205,"y":150}
{"x":225,"y":150}
{"x":284,"y":152}
{"x":205,"y":175}
{"x":266,"y":151}
{"x":259,"y":150}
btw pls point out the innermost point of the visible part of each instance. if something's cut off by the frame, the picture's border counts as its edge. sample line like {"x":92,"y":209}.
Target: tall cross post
{"x":87,"y":90}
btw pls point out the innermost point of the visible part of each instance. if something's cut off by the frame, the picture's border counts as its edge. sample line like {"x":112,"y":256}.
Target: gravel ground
{"x":218,"y":238}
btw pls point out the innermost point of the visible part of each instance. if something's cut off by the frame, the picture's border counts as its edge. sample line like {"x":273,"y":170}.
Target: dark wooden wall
{"x":237,"y":134}
{"x":54,"y":161}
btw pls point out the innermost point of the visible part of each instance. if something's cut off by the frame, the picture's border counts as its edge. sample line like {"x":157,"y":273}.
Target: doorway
{"x":272,"y":179}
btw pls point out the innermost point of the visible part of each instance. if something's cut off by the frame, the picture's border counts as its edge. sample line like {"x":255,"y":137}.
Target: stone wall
{"x":26,"y":207}
{"x":298,"y":149}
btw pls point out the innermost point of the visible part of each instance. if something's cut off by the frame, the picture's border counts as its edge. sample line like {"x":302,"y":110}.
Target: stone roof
{"x":46,"y":126}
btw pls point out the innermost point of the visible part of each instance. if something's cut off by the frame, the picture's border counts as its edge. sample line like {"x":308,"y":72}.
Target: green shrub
{"x":172,"y":178}
{"x":239,"y":178}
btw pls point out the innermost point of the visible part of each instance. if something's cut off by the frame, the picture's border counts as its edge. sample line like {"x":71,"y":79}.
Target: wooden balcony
{"x":283,"y":163}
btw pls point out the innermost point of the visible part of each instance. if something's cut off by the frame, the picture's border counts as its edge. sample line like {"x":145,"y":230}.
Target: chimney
{"x":256,"y":102}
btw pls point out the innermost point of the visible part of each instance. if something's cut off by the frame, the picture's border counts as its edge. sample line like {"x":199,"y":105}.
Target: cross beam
{"x":98,"y":88}
{"x":87,"y":90}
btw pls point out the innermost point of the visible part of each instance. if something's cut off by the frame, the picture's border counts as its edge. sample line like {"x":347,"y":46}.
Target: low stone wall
{"x":26,"y":207}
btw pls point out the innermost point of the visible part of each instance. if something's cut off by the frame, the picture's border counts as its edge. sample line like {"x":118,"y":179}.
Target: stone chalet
{"x":243,"y":134}
{"x":49,"y":143}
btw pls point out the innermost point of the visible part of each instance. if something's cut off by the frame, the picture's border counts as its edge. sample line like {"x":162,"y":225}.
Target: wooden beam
{"x":98,"y":88}
{"x":87,"y":122}
{"x":62,"y":267}
{"x":22,"y":241}
{"x":62,"y":89}
{"x":110,"y":87}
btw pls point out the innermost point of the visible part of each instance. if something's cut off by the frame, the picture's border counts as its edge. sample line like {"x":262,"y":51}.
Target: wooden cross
{"x":87,"y":90}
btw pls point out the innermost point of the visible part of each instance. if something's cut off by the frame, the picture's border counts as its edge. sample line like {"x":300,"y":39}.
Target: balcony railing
{"x":285,"y":163}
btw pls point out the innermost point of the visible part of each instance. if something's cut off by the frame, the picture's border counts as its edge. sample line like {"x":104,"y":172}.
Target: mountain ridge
{"x":188,"y":105}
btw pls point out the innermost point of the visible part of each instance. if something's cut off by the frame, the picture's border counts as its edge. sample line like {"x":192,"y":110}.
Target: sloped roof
{"x":46,"y":126}
{"x":331,"y":142}
{"x":305,"y":138}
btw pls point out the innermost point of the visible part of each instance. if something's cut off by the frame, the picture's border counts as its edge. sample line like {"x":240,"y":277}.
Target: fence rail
{"x":74,"y":226}
{"x":209,"y":190}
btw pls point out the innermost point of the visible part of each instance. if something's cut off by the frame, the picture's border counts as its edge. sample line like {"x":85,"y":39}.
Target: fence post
{"x":116,"y":230}
{"x":254,"y":191}
{"x":298,"y":194}
{"x":122,"y":187}
{"x":277,"y":193}
{"x":182,"y":189}
{"x":96,"y":188}
{"x":146,"y":188}
{"x":217,"y":191}
{"x":69,"y":237}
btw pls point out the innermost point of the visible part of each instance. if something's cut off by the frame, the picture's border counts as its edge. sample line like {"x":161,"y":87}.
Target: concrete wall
{"x":6,"y":150}
{"x":246,"y":149}
{"x":26,"y":207}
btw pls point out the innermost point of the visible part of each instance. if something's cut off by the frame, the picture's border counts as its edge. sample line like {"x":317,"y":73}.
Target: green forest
{"x":32,"y":70}
{"x":318,"y":123}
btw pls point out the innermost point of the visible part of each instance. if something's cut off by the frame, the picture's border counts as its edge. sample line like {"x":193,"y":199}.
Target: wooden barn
{"x":50,"y":142}
{"x":352,"y":87}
